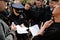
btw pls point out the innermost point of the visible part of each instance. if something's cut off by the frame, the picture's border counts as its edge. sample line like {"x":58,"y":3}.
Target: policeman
{"x":17,"y":14}
{"x":18,"y":17}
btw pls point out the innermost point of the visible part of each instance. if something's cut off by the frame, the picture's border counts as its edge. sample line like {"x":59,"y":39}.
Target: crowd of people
{"x":30,"y":14}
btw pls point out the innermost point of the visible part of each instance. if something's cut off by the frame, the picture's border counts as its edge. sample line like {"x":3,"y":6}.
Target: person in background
{"x":17,"y":13}
{"x":3,"y":12}
{"x":2,"y":5}
{"x":51,"y":29}
{"x":27,"y":11}
{"x":44,"y":4}
{"x":49,"y":10}
{"x":32,"y":3}
{"x":39,"y":12}
{"x":22,"y":18}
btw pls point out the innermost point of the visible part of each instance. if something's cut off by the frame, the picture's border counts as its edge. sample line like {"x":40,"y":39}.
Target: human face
{"x":53,"y":4}
{"x":32,"y":3}
{"x":38,"y":3}
{"x":2,"y":5}
{"x":27,"y":7}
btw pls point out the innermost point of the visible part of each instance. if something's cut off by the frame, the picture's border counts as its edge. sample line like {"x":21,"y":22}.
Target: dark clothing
{"x":22,"y":36}
{"x":21,"y":17}
{"x":14,"y":19}
{"x":3,"y":16}
{"x":18,"y":19}
{"x":52,"y":33}
{"x":38,"y":15}
{"x":28,"y":15}
{"x":48,"y":13}
{"x":19,"y":10}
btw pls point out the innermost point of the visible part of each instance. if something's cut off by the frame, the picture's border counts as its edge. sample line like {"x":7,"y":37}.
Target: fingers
{"x":41,"y":24}
{"x":50,"y":21}
{"x":47,"y":23}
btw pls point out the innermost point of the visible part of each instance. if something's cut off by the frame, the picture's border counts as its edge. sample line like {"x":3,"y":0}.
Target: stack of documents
{"x":21,"y":30}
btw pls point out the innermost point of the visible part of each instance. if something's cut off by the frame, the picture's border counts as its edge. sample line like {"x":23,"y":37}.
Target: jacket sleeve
{"x":38,"y":37}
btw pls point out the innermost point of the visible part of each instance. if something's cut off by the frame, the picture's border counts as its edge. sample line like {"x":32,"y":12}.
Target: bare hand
{"x":47,"y":23}
{"x":17,"y":14}
{"x":13,"y":27}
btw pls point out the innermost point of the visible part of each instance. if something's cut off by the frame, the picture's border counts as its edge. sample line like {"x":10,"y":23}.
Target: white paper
{"x":34,"y":29}
{"x":21,"y":30}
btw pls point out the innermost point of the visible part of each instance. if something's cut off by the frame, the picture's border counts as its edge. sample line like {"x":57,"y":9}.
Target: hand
{"x":16,"y":14}
{"x":13,"y":27}
{"x":47,"y":23}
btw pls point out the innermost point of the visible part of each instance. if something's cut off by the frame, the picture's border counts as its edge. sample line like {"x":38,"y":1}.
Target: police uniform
{"x":18,"y":20}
